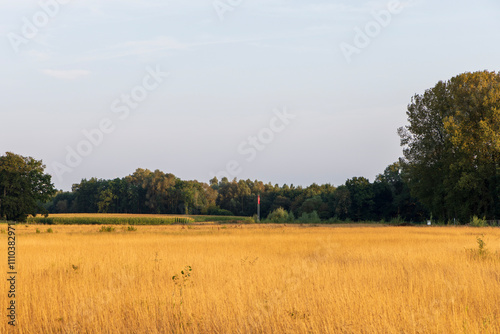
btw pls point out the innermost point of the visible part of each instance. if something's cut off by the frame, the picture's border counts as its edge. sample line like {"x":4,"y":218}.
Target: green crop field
{"x":130,"y":219}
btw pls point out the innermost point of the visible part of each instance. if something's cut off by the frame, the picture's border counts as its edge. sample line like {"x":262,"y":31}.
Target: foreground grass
{"x":256,"y":279}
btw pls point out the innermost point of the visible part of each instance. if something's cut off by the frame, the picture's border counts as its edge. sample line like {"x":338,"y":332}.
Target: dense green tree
{"x":311,"y":204}
{"x":362,"y":196}
{"x":23,"y":187}
{"x":106,"y":199}
{"x":87,"y":195}
{"x":62,"y":202}
{"x":196,"y":197}
{"x":383,"y":201}
{"x":342,"y":202}
{"x":393,"y":198}
{"x":139,"y":182}
{"x":452,"y":147}
{"x":281,"y":202}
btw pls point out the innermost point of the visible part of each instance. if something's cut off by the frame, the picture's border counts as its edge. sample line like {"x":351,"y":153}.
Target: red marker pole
{"x":258,"y":207}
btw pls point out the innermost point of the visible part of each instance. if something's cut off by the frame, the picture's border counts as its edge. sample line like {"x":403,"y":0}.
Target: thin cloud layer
{"x":66,"y":74}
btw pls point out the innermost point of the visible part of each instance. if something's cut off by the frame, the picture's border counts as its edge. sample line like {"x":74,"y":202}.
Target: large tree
{"x":452,"y":147}
{"x":23,"y":187}
{"x":361,"y":191}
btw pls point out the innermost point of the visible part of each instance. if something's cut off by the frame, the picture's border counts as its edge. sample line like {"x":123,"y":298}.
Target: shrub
{"x":279,"y":215}
{"x":107,"y":229}
{"x":310,"y":218}
{"x":478,"y":222}
{"x":216,"y":211}
{"x":49,"y":230}
{"x":397,"y":221}
{"x":335,"y":220}
{"x":480,"y":253}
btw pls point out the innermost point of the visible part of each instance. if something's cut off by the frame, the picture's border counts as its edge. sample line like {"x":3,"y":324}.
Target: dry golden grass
{"x":255,"y":279}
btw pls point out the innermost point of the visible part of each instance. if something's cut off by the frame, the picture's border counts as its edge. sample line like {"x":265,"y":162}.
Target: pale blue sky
{"x":225,"y":79}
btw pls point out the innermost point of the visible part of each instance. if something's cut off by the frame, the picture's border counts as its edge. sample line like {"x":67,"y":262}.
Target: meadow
{"x":253,"y":278}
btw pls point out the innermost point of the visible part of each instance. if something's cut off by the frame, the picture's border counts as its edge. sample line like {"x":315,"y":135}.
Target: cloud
{"x":136,"y":48}
{"x":146,"y":46}
{"x":287,"y":9}
{"x":67,"y":74}
{"x":35,"y":55}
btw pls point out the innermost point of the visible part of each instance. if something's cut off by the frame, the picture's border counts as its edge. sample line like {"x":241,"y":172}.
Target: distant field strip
{"x":110,"y":220}
{"x":130,"y":219}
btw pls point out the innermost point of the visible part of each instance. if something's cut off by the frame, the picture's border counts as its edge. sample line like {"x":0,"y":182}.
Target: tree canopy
{"x":148,"y":191}
{"x":23,"y":187}
{"x":452,"y":147}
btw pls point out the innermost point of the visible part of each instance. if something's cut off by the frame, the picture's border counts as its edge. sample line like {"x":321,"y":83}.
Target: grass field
{"x":255,"y":279}
{"x":130,"y":219}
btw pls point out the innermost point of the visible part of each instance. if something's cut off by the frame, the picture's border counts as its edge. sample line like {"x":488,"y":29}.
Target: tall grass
{"x":256,"y":279}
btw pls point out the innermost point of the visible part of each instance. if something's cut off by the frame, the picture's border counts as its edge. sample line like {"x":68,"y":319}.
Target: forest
{"x":148,"y":192}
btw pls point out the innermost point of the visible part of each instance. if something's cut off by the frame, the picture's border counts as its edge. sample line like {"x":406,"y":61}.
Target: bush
{"x":478,"y":222}
{"x":397,"y":221}
{"x":216,"y":211}
{"x":279,"y":215}
{"x":480,"y":253}
{"x":310,"y":218}
{"x":335,"y":220}
{"x":107,"y":229}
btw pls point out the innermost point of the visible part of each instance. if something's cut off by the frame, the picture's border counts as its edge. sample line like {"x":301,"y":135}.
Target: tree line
{"x":149,"y":192}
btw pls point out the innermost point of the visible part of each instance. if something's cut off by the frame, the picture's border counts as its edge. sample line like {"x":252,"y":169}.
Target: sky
{"x":287,"y":92}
